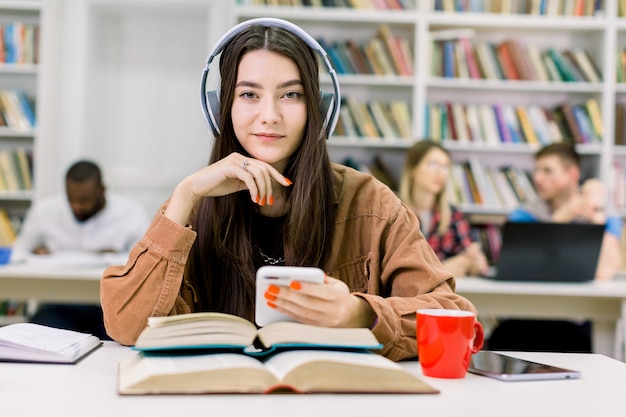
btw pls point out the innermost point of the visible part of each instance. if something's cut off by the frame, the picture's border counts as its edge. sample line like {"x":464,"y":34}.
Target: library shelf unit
{"x":19,"y":71}
{"x":22,"y":76}
{"x":601,"y":35}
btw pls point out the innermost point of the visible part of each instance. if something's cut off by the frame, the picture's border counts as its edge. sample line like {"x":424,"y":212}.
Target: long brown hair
{"x":222,"y":258}
{"x":414,"y":156}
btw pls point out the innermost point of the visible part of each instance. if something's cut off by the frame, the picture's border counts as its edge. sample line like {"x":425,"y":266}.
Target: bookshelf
{"x":19,"y":90}
{"x":19,"y":70}
{"x":600,"y":32}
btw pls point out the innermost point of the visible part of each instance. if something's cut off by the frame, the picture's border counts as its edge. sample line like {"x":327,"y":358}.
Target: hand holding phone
{"x":281,"y":276}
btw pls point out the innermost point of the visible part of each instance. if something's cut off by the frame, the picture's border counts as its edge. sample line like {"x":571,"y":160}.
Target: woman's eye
{"x":293,"y":95}
{"x":248,"y":94}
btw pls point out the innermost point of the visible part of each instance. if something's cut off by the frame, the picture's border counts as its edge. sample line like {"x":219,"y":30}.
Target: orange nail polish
{"x":270,"y":297}
{"x":263,"y":201}
{"x":288,"y":181}
{"x":271,"y":305}
{"x":295,"y":285}
{"x":256,"y":199}
{"x":273,"y":289}
{"x":271,"y":200}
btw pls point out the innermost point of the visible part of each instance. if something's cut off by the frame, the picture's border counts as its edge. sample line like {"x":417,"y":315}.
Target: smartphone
{"x":508,"y":368}
{"x":281,"y":276}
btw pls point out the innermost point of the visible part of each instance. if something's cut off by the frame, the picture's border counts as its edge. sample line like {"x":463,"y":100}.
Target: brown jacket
{"x":378,"y":251}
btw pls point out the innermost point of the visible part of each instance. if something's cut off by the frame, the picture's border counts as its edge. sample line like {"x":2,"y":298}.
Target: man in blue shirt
{"x":556,"y":178}
{"x":560,"y":199}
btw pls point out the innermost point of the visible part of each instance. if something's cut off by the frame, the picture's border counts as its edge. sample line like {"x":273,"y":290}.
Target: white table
{"x":89,"y":389}
{"x":51,"y":283}
{"x":602,"y":302}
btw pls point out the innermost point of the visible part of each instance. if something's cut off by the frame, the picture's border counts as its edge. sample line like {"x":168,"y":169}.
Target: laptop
{"x":549,"y":252}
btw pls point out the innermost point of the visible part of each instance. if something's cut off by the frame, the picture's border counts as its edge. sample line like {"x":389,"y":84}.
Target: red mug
{"x":446,"y":340}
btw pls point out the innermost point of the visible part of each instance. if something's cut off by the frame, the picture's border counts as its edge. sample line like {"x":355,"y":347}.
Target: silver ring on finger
{"x":245,"y":165}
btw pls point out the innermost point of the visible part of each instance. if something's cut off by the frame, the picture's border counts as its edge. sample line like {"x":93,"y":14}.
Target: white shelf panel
{"x":20,"y":195}
{"x":505,"y":85}
{"x":507,"y":21}
{"x":329,"y":14}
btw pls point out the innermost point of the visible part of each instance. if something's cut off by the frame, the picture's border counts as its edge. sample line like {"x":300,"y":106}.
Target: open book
{"x":301,"y":371}
{"x":219,"y":331}
{"x":28,"y":342}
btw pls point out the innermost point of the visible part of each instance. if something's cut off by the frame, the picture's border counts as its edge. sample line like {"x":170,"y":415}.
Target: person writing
{"x":423,"y":189}
{"x":562,"y":200}
{"x":270,"y":195}
{"x":85,"y":220}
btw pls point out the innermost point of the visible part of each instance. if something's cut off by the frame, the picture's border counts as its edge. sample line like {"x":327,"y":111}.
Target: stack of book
{"x":219,"y":353}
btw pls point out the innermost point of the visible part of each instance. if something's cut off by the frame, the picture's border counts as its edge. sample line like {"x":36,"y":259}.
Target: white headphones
{"x":210,"y":99}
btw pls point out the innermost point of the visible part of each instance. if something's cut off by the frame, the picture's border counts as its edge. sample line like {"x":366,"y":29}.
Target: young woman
{"x":423,"y":189}
{"x":271,"y":195}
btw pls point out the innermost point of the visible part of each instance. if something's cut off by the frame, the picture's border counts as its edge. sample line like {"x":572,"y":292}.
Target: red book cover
{"x":506,"y":62}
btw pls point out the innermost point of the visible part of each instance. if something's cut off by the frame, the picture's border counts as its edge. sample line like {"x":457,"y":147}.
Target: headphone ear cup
{"x":213,"y":108}
{"x":327,"y":103}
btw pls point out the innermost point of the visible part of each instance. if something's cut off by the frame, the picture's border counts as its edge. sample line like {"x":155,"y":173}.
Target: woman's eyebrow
{"x":252,"y":84}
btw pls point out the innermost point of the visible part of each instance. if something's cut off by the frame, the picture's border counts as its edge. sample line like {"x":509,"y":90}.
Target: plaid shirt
{"x":452,"y":241}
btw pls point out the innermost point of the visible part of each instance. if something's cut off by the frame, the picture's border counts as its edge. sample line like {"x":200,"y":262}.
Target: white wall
{"x":120,"y":84}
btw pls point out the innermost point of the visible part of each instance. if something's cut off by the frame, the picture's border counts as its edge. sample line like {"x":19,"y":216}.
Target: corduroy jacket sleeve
{"x":150,"y":282}
{"x":380,"y":253}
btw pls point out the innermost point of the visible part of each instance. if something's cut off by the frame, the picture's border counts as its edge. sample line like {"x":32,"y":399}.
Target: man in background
{"x":86,"y":220}
{"x":557,"y":178}
{"x":562,"y":200}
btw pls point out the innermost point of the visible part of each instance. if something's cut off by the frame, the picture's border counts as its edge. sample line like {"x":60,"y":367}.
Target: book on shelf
{"x":620,"y":124}
{"x":221,"y":353}
{"x":29,"y":342}
{"x":505,"y":57}
{"x":7,"y":230}
{"x":394,"y":51}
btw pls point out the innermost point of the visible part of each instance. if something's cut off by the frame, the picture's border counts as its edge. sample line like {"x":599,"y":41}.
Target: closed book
{"x":358,"y":57}
{"x":526,"y":126}
{"x":503,"y":130}
{"x":393,"y":50}
{"x":620,"y":121}
{"x":9,"y":170}
{"x":486,"y":62}
{"x":534,"y":56}
{"x":380,"y":119}
{"x":570,"y":120}
{"x":473,"y":123}
{"x":520,"y":58}
{"x":564,"y":68}
{"x":587,"y":66}
{"x":512,"y":122}
{"x":595,"y":116}
{"x":472,"y":65}
{"x":471,"y":182}
{"x":401,"y":113}
{"x":489,"y":124}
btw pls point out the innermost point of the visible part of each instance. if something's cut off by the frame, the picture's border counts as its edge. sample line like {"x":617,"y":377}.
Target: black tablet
{"x":508,"y":368}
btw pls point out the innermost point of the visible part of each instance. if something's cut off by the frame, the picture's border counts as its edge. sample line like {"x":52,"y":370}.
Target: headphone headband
{"x":210,"y":99}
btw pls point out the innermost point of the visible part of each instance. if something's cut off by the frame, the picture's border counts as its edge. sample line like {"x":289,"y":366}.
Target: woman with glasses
{"x":423,"y":189}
